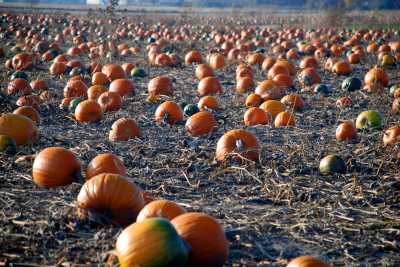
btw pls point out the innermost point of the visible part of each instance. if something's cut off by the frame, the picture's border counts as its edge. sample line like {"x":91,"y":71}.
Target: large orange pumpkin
{"x":111,"y":195}
{"x":160,"y":85}
{"x":209,"y":85}
{"x":22,"y":129}
{"x":19,"y":86}
{"x":201,"y":123}
{"x":105,"y":163}
{"x":268,"y":89}
{"x":169,"y":112}
{"x":110,"y":101}
{"x":95,"y":91}
{"x":203,"y":70}
{"x":123,"y":87}
{"x":75,"y":88}
{"x":55,"y":166}
{"x":198,"y":229}
{"x":193,"y":56}
{"x":28,"y":112}
{"x":124,"y":129}
{"x":88,"y":111}
{"x":208,"y":102}
{"x":113,"y":72}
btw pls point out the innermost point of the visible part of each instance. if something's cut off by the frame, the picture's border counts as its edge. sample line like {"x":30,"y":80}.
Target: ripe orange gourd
{"x":75,"y":88}
{"x":28,"y":112}
{"x":376,"y":76}
{"x":392,"y":136}
{"x":208,"y":102}
{"x":346,"y":131}
{"x":201,"y":123}
{"x":209,"y":85}
{"x":123,"y":87}
{"x":95,"y":91}
{"x":244,"y":85}
{"x":272,"y":108}
{"x":99,"y":78}
{"x":217,"y":61}
{"x":124,"y":129}
{"x":253,"y":100}
{"x":204,"y":70}
{"x":169,"y":112}
{"x":160,"y":85}
{"x":284,"y":119}
{"x":268,"y":89}
{"x":193,"y":57}
{"x":19,"y":86}
{"x":113,"y":72}
{"x":160,"y":209}
{"x":309,"y":62}
{"x":22,"y":129}
{"x":255,"y":116}
{"x":293,"y":101}
{"x":55,"y":166}
{"x":306,"y":261}
{"x":111,"y":195}
{"x":58,"y":68}
{"x":88,"y":111}
{"x":105,"y":163}
{"x":39,"y":85}
{"x":342,"y":68}
{"x":109,"y":101}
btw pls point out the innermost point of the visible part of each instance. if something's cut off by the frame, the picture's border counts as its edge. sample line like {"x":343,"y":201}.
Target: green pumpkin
{"x":191,"y":109}
{"x":332,"y":164}
{"x":322,"y":89}
{"x":7,"y":145}
{"x":19,"y":74}
{"x":138,"y":72}
{"x":153,"y":242}
{"x":74,"y":103}
{"x":351,"y":84}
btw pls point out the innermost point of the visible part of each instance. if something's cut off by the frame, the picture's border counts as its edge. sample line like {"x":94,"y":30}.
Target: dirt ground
{"x":272,"y":211}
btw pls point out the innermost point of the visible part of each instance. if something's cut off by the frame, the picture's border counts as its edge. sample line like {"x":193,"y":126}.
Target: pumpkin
{"x":342,"y":68}
{"x":163,"y":60}
{"x":309,"y":77}
{"x":111,"y":195}
{"x":19,"y":86}
{"x":22,"y":129}
{"x":22,"y":61}
{"x":88,"y":111}
{"x":244,"y":85}
{"x":332,"y":164}
{"x":29,"y":100}
{"x":39,"y":85}
{"x":95,"y":91}
{"x":123,"y":87}
{"x":351,"y":84}
{"x":255,"y":59}
{"x":109,"y":101}
{"x":255,"y":116}
{"x":354,"y":58}
{"x":395,"y":106}
{"x":19,"y":74}
{"x":287,"y":64}
{"x":75,"y":88}
{"x":160,"y":209}
{"x":105,"y":163}
{"x":267,"y":64}
{"x":240,"y":142}
{"x":113,"y":72}
{"x":369,"y":119}
{"x":277,"y":69}
{"x":284,"y":119}
{"x":99,"y":78}
{"x":193,"y":57}
{"x":344,"y":102}
{"x":28,"y":112}
{"x":58,"y":68}
{"x":253,"y":100}
{"x":124,"y":129}
{"x":346,"y":131}
{"x":309,"y":62}
{"x":7,"y":145}
{"x":208,"y":102}
{"x":283,"y":81}
{"x":198,"y":229}
{"x":203,"y":70}
{"x":55,"y":166}
{"x":272,"y":108}
{"x":169,"y":112}
{"x":388,"y":60}
{"x":306,"y":261}
{"x":293,"y":101}
{"x":74,"y":103}
{"x":376,"y":76}
{"x":160,"y":85}
{"x":268,"y":89}
{"x":190,"y":109}
{"x":209,"y":85}
{"x":201,"y":123}
{"x":217,"y":61}
{"x":391,"y":136}
{"x":138,"y":72}
{"x":152,"y":242}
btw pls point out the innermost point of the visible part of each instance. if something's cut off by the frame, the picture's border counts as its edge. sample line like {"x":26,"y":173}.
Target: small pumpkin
{"x":124,"y":129}
{"x":332,"y":164}
{"x":272,"y":108}
{"x":392,"y":136}
{"x":55,"y":166}
{"x":39,"y":85}
{"x":111,"y":195}
{"x":369,"y":119}
{"x":307,"y":261}
{"x":346,"y":131}
{"x":113,"y":72}
{"x":309,"y":77}
{"x":193,"y":56}
{"x":376,"y":76}
{"x":99,"y":78}
{"x":240,"y":142}
{"x":201,"y":123}
{"x":198,"y":229}
{"x":152,"y":242}
{"x":322,"y":89}
{"x":160,"y":85}
{"x":138,"y":72}
{"x":28,"y":112}
{"x":58,"y":68}
{"x":190,"y":109}
{"x":284,"y":119}
{"x":208,"y":102}
{"x":22,"y":129}
{"x":351,"y":84}
{"x":88,"y":111}
{"x":244,"y":85}
{"x":268,"y":89}
{"x":123,"y":87}
{"x":203,"y":70}
{"x":75,"y":88}
{"x":209,"y":85}
{"x":253,"y":100}
{"x":7,"y":145}
{"x":105,"y":163}
{"x":342,"y":68}
{"x":160,"y":209}
{"x":109,"y":101}
{"x":344,"y":102}
{"x":293,"y":101}
{"x":95,"y":91}
{"x":255,"y":116}
{"x":169,"y":112}
{"x":19,"y":86}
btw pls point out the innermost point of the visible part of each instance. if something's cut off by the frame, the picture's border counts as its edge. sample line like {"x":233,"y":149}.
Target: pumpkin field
{"x":152,"y":139}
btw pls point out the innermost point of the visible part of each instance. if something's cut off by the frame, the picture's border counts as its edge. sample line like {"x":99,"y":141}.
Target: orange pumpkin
{"x":268,"y":89}
{"x":392,"y":136}
{"x":111,"y":195}
{"x":113,"y":72}
{"x":193,"y":57}
{"x":198,"y":229}
{"x":346,"y":131}
{"x":105,"y":163}
{"x":244,"y":85}
{"x":160,"y":209}
{"x":58,"y":68}
{"x":272,"y":108}
{"x":209,"y":85}
{"x":160,"y":85}
{"x":204,"y":70}
{"x":110,"y":101}
{"x":376,"y":76}
{"x":99,"y":78}
{"x":88,"y":111}
{"x":55,"y":166}
{"x":95,"y":91}
{"x":342,"y":68}
{"x":75,"y":88}
{"x":22,"y":129}
{"x":217,"y":61}
{"x":255,"y":116}
{"x":239,"y":142}
{"x":124,"y":129}
{"x":253,"y":100}
{"x":39,"y":85}
{"x":201,"y":123}
{"x":293,"y":101}
{"x":208,"y":102}
{"x":344,"y":102}
{"x":19,"y":86}
{"x":28,"y":112}
{"x":309,"y":62}
{"x":306,"y":261}
{"x":123,"y":87}
{"x":283,"y":119}
{"x":169,"y":112}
